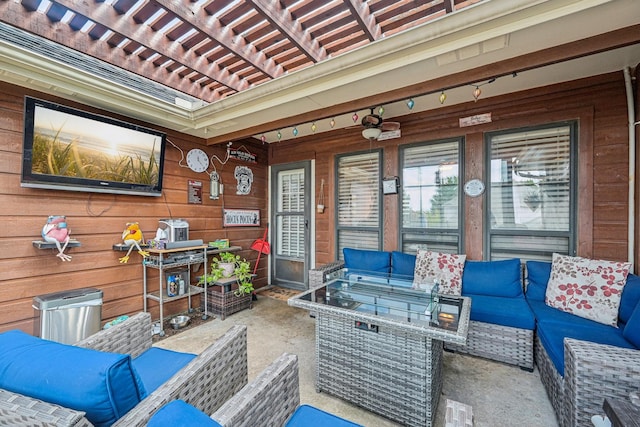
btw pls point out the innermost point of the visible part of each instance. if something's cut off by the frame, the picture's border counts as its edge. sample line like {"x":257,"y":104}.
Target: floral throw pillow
{"x":587,"y":288}
{"x":446,"y":268}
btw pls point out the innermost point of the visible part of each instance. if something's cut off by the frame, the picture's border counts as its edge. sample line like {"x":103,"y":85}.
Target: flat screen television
{"x":69,"y":149}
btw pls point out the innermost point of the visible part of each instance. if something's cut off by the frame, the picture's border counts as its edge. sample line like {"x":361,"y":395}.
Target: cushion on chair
{"x":538,"y":273}
{"x":104,"y":385}
{"x":496,"y":278}
{"x":402,"y":263}
{"x":630,"y":298}
{"x":309,"y":416}
{"x":587,"y":287}
{"x":179,"y":413}
{"x":156,"y":365}
{"x":552,"y":335}
{"x":446,"y":268}
{"x":632,"y":329}
{"x":512,"y":312}
{"x":360,"y":259}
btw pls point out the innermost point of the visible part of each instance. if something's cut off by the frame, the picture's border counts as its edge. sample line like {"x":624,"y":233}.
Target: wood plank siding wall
{"x":598,"y":103}
{"x":97,"y":221}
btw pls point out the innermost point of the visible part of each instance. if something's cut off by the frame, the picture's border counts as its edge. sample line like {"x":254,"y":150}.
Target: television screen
{"x":69,"y":149}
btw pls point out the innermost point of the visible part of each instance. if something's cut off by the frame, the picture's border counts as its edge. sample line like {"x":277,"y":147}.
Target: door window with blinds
{"x":359,"y":210}
{"x":532,"y":192}
{"x":430,"y":213}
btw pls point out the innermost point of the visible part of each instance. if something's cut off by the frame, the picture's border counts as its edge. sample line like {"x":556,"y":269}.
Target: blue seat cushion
{"x":552,"y":335}
{"x":496,"y":278}
{"x":179,"y":413}
{"x":538,"y":273}
{"x":512,"y":312}
{"x":156,"y":365}
{"x":360,"y":259}
{"x":545,"y":314}
{"x":309,"y":416}
{"x":403,"y":264}
{"x":631,"y":330}
{"x":104,"y":385}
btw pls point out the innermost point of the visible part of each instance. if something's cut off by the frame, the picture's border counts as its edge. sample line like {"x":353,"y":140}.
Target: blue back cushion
{"x":179,"y":413}
{"x":402,"y":263}
{"x":496,"y":278}
{"x":632,"y":329}
{"x":538,"y":273}
{"x":104,"y":385}
{"x":359,"y":259}
{"x":630,"y":298}
{"x":156,"y":365}
{"x":512,"y":312}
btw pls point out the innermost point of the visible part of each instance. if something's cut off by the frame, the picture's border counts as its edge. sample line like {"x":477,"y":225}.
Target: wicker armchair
{"x":268,"y":400}
{"x":592,"y":372}
{"x":206,"y":382}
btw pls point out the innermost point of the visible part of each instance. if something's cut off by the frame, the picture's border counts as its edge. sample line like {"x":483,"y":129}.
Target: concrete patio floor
{"x":500,"y":395}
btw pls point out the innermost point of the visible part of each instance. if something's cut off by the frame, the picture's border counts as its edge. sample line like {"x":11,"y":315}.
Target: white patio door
{"x":290,"y":209}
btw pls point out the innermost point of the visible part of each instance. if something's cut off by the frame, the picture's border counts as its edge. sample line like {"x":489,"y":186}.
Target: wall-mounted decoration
{"x":241,"y":217}
{"x":244,"y":175}
{"x":194,"y":192}
{"x":243,"y":155}
{"x":55,"y":231}
{"x":390,"y":185}
{"x":132,"y":237}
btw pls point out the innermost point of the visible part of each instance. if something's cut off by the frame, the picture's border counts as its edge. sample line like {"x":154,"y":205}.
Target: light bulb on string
{"x":410,"y":103}
{"x":314,"y":127}
{"x":279,"y":135}
{"x":354,"y":117}
{"x":476,"y":93}
{"x":381,"y":111}
{"x":332,"y":123}
{"x":263,"y":138}
{"x":443,"y":97}
{"x":295,"y":131}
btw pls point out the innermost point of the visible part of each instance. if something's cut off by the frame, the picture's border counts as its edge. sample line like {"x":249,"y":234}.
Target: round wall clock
{"x":197,"y":160}
{"x":474,"y":187}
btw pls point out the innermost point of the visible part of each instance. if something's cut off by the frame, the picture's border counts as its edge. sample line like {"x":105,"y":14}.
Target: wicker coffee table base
{"x":392,"y":372}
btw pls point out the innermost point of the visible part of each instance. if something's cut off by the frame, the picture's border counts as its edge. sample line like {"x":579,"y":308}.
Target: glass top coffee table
{"x":379,"y":341}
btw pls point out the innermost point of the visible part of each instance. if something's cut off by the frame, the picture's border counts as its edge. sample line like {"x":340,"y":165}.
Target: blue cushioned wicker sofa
{"x":580,"y":361}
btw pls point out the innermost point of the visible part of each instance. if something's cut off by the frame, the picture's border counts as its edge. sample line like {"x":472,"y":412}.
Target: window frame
{"x":572,"y":234}
{"x":404,"y":242}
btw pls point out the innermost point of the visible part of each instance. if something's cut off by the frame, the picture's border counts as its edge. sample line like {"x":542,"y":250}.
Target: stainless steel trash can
{"x":68,"y":316}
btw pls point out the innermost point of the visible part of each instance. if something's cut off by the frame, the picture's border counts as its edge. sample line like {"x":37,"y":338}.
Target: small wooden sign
{"x":242,"y":155}
{"x":478,"y":119}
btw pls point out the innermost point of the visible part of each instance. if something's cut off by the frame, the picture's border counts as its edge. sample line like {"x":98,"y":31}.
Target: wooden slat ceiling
{"x":211,"y":49}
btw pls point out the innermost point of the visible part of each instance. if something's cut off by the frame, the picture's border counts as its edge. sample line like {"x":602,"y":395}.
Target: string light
{"x":442,"y":97}
{"x":263,"y":138}
{"x":295,"y":131}
{"x":354,"y":117}
{"x":410,"y":103}
{"x":381,"y":111}
{"x":314,"y":127}
{"x":332,"y":123}
{"x":279,"y":135}
{"x":476,"y":93}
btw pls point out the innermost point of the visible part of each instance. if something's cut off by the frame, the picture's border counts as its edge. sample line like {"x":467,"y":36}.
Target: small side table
{"x":226,"y":302}
{"x":621,"y":412}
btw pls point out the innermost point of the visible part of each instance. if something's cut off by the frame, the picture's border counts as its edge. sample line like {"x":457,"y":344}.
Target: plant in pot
{"x":227,"y":265}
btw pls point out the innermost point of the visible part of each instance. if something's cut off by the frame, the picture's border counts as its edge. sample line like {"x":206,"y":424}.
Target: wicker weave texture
{"x":593,"y":372}
{"x":269,"y":400}
{"x":394,"y":373}
{"x":501,"y":343}
{"x":318,"y":276}
{"x":226,"y":302}
{"x":550,"y":378}
{"x":132,"y":337}
{"x":19,"y":410}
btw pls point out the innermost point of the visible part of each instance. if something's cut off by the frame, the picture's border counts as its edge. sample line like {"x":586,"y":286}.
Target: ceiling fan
{"x":374,"y":126}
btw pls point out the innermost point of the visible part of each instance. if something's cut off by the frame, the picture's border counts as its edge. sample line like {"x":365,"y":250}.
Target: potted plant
{"x":240,"y":269}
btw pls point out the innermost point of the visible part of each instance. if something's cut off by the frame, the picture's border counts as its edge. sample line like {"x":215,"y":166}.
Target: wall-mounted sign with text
{"x":242,"y":155}
{"x":478,"y":119}
{"x":241,"y":217}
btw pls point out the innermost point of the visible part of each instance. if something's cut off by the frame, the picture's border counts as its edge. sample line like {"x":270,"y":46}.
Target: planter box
{"x":223,"y":302}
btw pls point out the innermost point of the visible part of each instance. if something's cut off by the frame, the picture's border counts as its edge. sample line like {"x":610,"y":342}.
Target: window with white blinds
{"x":431,"y":197}
{"x":358,"y":201}
{"x":290,"y":213}
{"x":531,"y":194}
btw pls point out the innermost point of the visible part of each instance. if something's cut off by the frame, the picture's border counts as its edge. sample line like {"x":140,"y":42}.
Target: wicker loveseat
{"x":501,"y":324}
{"x":206,"y":381}
{"x":581,"y":361}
